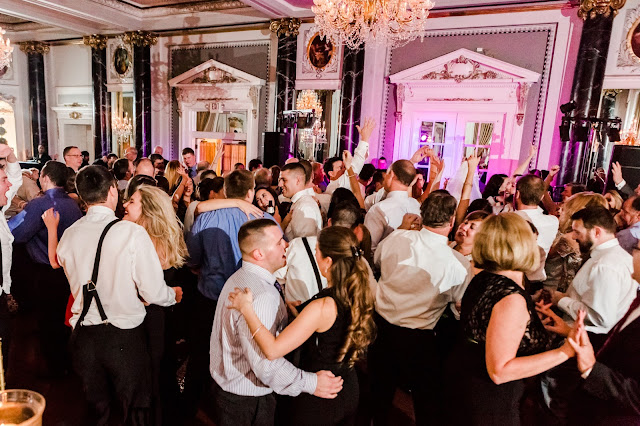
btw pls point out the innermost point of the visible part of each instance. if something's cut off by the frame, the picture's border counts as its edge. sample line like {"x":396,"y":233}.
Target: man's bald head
{"x":145,"y":167}
{"x":404,"y":171}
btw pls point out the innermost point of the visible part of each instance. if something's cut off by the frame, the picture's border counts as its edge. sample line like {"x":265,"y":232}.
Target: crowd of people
{"x":276,"y":295}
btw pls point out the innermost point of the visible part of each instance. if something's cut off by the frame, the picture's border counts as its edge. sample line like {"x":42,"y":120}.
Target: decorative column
{"x":35,"y":51}
{"x":588,"y":79}
{"x":101,"y":97}
{"x":287,"y":30}
{"x":351,"y":102}
{"x":142,"y":42}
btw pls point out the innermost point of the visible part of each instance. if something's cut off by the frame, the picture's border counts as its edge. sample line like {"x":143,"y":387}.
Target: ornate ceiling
{"x":63,"y":19}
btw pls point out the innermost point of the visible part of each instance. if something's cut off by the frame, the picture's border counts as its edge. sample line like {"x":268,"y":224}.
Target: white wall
{"x":622,"y":71}
{"x":66,"y":66}
{"x":14,"y":88}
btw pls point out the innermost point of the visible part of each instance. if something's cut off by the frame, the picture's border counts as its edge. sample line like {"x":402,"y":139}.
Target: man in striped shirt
{"x":244,"y":379}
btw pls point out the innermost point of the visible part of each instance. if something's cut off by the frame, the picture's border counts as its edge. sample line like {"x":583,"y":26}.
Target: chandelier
{"x":308,"y":99}
{"x":353,"y":22}
{"x":5,"y":50}
{"x":122,"y":127}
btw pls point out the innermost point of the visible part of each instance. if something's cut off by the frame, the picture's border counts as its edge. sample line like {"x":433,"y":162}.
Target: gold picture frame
{"x":633,"y":41}
{"x":320,"y":51}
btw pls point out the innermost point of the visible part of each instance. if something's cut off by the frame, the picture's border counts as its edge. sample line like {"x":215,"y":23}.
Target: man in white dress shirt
{"x":244,"y":378}
{"x":109,"y":346}
{"x":529,"y":192}
{"x":304,"y":218}
{"x":335,"y":168}
{"x":10,"y":181}
{"x":603,"y":287}
{"x":420,"y":277}
{"x":298,"y":276}
{"x":386,"y":216}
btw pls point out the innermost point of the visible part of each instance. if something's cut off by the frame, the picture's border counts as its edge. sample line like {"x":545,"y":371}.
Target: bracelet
{"x":351,"y":176}
{"x":256,"y":332}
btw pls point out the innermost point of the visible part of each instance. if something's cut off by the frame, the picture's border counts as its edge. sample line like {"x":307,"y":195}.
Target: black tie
{"x":279,"y":288}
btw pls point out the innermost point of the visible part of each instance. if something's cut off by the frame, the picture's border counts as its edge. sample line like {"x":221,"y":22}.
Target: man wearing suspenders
{"x":111,"y":266}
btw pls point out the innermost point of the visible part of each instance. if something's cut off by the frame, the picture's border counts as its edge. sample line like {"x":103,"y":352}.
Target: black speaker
{"x":276,"y":149}
{"x":629,"y":159}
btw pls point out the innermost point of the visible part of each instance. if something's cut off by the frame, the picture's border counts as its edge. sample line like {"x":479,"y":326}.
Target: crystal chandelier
{"x":353,"y":22}
{"x":308,"y":99}
{"x":123,"y":128}
{"x":5,"y":50}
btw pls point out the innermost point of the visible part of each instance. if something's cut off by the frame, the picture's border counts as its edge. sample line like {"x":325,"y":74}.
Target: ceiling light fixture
{"x":5,"y":50}
{"x":354,"y":22}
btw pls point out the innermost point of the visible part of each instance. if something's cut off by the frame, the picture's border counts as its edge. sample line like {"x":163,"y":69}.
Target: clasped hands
{"x":577,"y":337}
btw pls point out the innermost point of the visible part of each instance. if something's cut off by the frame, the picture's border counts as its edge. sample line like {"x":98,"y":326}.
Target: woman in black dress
{"x":334,"y":328}
{"x":504,"y":341}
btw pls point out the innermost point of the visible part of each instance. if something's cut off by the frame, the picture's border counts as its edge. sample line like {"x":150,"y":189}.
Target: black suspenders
{"x":89,"y":291}
{"x":313,"y":263}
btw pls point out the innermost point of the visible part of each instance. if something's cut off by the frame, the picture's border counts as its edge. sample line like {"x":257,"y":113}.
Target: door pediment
{"x":213,"y":72}
{"x":466,"y":66}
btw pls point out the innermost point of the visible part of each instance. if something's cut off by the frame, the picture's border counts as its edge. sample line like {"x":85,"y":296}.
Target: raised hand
{"x":473,"y":162}
{"x":5,"y":151}
{"x":532,"y":151}
{"x":347,"y":159}
{"x":240,"y":299}
{"x":366,"y":129}
{"x":422,"y":153}
{"x":51,"y":218}
{"x":616,"y":171}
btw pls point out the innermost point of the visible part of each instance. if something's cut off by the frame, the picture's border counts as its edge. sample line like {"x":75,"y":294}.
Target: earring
{"x":325,"y":270}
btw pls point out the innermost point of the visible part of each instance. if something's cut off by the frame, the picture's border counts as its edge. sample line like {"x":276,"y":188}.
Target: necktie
{"x":279,"y":288}
{"x":618,"y":326}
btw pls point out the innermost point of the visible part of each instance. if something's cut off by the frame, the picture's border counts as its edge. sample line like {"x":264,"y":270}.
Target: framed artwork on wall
{"x":119,"y":63}
{"x":629,"y":50}
{"x":320,"y":60}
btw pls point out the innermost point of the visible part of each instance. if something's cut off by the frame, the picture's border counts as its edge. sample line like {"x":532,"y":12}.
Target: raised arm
{"x":51,"y":219}
{"x":353,"y":178}
{"x":318,"y":315}
{"x":524,"y":166}
{"x":547,"y":202}
{"x":435,"y":175}
{"x":216,"y":159}
{"x":463,"y":205}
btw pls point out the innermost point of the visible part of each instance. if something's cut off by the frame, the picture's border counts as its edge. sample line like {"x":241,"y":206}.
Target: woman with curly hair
{"x":334,"y":328}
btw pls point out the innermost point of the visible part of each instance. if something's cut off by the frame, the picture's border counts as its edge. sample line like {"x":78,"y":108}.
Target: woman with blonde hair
{"x":504,"y":339}
{"x":180,"y":187}
{"x":334,"y":328}
{"x":564,"y":258}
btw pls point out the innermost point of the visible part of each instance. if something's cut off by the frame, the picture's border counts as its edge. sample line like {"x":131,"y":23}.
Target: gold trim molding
{"x":95,"y":41}
{"x":285,"y":27}
{"x":589,"y":9}
{"x":33,"y":47}
{"x":140,"y":38}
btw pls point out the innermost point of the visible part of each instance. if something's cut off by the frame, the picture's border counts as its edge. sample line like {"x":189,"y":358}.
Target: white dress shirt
{"x":129,"y":266}
{"x":385,"y":217}
{"x":236,"y":362}
{"x":547,"y":226}
{"x":189,"y":218}
{"x":603,"y":287}
{"x":298,"y":277}
{"x":420,"y":276}
{"x":306,"y":219}
{"x":360,"y":155}
{"x":374,"y":198}
{"x":14,"y":175}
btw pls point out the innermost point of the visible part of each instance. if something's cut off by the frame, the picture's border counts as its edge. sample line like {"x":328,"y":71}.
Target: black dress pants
{"x":405,"y":357}
{"x":115,"y":369}
{"x":237,"y":410}
{"x":51,"y":297}
{"x":198,"y":378}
